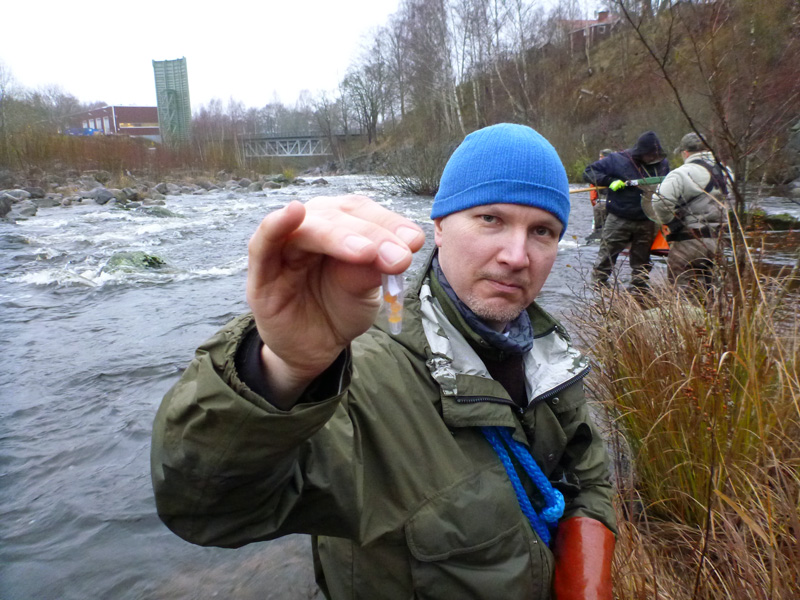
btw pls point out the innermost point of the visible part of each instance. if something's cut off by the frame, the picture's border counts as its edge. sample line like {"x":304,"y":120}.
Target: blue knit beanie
{"x":504,"y":163}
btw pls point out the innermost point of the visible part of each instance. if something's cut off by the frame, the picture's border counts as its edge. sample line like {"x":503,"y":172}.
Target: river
{"x":89,"y":354}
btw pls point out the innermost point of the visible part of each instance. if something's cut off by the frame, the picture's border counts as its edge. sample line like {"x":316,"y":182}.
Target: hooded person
{"x":626,"y":222}
{"x":456,"y":458}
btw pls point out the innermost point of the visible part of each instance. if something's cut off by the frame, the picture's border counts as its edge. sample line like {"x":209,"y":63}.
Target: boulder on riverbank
{"x":103,"y":195}
{"x":5,"y":205}
{"x":22,"y":209}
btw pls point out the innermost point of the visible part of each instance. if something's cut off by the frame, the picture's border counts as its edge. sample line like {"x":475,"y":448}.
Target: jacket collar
{"x":698,"y":156}
{"x":470,"y":397}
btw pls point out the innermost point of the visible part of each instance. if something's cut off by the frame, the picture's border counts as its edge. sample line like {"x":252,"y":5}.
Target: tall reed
{"x":34,"y":148}
{"x":703,"y":403}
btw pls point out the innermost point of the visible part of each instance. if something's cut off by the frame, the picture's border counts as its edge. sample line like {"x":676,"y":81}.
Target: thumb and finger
{"x":269,"y":238}
{"x":368,"y":235}
{"x":314,"y":269}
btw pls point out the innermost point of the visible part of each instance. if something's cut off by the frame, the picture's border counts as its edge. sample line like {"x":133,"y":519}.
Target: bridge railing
{"x":304,"y":144}
{"x":286,"y":147}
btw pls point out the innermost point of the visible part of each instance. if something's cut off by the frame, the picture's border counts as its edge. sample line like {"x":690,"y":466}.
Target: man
{"x":626,"y":223}
{"x":598,"y":198}
{"x":394,"y":450}
{"x":691,"y":201}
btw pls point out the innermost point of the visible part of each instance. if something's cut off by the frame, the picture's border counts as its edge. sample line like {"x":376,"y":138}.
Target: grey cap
{"x":691,"y":142}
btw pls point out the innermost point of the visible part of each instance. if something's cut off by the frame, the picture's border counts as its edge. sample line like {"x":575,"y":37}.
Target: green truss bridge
{"x":307,"y":144}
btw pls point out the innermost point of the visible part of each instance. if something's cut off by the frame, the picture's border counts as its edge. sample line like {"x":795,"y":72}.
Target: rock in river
{"x":133,"y":261}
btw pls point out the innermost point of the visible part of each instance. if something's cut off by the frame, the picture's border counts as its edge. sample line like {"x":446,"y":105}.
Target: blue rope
{"x":554,"y":500}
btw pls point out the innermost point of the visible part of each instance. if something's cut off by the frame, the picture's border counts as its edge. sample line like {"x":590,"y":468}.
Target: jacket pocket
{"x":471,"y":540}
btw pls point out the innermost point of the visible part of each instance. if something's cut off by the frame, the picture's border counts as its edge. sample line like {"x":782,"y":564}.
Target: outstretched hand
{"x":617,"y":185}
{"x":313,"y":279}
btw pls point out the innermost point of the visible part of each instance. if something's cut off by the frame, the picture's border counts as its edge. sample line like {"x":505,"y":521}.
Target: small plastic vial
{"x":393,"y":288}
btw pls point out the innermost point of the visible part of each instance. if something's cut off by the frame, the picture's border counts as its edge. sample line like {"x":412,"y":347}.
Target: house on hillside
{"x":586,"y":33}
{"x":134,"y":121}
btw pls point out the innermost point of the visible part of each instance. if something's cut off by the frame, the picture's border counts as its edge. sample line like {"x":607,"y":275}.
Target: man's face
{"x":651,"y":159}
{"x":497,"y":257}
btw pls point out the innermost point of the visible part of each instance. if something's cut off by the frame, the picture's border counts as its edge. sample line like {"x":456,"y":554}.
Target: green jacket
{"x":383,"y":461}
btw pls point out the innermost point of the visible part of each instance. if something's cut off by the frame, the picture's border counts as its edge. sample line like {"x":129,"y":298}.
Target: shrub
{"x":417,"y":168}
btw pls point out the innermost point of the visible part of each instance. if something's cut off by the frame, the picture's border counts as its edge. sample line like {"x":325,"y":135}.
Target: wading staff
{"x":629,"y":183}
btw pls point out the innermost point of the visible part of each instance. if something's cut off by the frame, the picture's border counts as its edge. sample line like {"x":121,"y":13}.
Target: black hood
{"x":648,"y":143}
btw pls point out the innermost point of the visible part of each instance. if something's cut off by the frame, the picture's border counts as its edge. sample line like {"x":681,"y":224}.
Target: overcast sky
{"x":248,"y":51}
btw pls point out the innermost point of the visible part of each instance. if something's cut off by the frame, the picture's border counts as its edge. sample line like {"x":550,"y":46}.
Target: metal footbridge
{"x":312,"y":144}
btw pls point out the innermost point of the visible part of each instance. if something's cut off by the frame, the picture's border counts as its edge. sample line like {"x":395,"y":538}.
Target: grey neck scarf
{"x":518,"y":336}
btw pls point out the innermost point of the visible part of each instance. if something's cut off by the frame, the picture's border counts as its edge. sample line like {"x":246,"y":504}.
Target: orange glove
{"x":593,"y":195}
{"x":583,"y":550}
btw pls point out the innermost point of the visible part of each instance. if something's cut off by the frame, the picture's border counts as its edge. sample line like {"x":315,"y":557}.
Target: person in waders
{"x":692,"y":202}
{"x":449,"y":453}
{"x":597,"y":196}
{"x":626,"y":223}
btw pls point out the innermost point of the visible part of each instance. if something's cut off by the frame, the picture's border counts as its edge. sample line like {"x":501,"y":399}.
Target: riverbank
{"x":22,"y":195}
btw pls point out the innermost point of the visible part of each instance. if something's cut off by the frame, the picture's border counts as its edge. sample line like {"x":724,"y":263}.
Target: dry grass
{"x":118,"y":154}
{"x":704,"y":407}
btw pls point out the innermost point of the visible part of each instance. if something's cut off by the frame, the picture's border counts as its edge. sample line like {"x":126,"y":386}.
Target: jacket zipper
{"x":540,"y":398}
{"x":494,"y":399}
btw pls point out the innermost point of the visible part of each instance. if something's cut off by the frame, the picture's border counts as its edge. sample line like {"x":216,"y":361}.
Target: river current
{"x":90,"y":351}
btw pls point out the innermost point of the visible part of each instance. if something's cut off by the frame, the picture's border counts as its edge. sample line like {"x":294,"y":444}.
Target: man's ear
{"x":437,"y":231}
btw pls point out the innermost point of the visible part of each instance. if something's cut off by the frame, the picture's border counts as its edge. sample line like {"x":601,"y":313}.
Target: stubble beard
{"x":493,"y":314}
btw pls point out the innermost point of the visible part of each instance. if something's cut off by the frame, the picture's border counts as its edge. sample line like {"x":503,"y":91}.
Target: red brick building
{"x":586,"y":33}
{"x":138,"y":121}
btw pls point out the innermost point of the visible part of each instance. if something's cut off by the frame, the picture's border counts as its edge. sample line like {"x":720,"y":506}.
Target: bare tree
{"x":714,"y":63}
{"x":397,"y":63}
{"x":433,"y":56}
{"x":53,"y":106}
{"x":367,"y":86}
{"x":345,"y":109}
{"x":6,"y":94}
{"x":328,"y":118}
{"x":364,"y":88}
